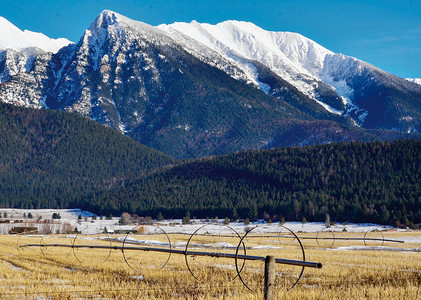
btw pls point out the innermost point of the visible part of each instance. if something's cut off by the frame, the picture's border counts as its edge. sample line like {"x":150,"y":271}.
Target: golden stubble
{"x":347,"y":273}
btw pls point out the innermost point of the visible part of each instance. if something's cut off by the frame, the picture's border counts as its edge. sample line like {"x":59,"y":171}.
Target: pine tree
{"x":282,"y":221}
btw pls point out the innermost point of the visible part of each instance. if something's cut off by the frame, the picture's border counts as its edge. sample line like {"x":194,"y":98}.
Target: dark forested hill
{"x":51,"y":159}
{"x":48,"y":158}
{"x":360,"y":182}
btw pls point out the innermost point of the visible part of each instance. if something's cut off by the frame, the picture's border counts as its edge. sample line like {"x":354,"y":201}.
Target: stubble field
{"x":351,"y":269}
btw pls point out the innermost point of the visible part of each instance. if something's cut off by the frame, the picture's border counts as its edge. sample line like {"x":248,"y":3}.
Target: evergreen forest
{"x":51,"y":159}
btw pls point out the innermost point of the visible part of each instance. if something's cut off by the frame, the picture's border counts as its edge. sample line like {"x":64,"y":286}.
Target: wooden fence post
{"x":269,"y":277}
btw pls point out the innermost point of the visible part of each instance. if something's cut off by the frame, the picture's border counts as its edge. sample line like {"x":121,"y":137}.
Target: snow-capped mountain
{"x":135,"y":78}
{"x":332,"y":80}
{"x":18,"y":48}
{"x":196,"y":89}
{"x":291,"y":56}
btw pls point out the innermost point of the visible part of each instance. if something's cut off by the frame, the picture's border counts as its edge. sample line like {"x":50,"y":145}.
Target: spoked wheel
{"x":29,"y":240}
{"x":136,"y":245}
{"x":85,"y":252}
{"x":281,"y":244}
{"x":325,"y":239}
{"x":51,"y":246}
{"x":374,"y":238}
{"x":215,"y":240}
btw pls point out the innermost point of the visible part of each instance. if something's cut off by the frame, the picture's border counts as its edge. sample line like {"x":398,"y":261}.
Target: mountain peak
{"x":108,"y":13}
{"x":109,"y":19}
{"x":105,"y":18}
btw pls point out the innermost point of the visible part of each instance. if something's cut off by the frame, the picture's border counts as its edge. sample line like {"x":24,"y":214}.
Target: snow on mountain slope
{"x":242,"y":42}
{"x":339,"y":84}
{"x":295,"y":58}
{"x":13,"y":38}
{"x":248,"y":40}
{"x":415,"y":80}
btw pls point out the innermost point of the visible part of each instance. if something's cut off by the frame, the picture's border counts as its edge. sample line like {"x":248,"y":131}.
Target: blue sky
{"x":386,"y":33}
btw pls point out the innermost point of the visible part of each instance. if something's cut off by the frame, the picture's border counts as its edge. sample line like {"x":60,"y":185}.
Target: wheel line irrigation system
{"x":129,"y":245}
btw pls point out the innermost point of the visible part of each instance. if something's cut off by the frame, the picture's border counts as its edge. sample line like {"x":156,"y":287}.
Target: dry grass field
{"x":351,"y":269}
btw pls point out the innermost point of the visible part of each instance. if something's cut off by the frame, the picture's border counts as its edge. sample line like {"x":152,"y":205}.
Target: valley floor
{"x":360,"y":263}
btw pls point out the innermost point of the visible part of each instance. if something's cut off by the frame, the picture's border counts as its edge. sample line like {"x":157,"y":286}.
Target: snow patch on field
{"x":380,"y":248}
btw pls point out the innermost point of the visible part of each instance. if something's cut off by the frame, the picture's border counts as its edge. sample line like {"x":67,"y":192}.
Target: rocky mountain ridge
{"x":192,"y":95}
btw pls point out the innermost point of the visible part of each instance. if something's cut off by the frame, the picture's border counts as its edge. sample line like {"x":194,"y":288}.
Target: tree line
{"x":356,"y":182}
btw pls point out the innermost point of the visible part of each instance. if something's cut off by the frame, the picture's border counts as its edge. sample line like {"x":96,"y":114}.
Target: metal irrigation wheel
{"x":87,"y":241}
{"x":133,"y":257}
{"x":216,"y":240}
{"x":51,"y":246}
{"x":375,"y":239}
{"x":248,"y":248}
{"x":27,"y":239}
{"x":325,"y":238}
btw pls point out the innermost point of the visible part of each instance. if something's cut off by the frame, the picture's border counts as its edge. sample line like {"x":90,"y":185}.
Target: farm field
{"x":352,"y":268}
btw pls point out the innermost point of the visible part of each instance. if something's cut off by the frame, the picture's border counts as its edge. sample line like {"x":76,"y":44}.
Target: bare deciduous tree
{"x":125,"y":218}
